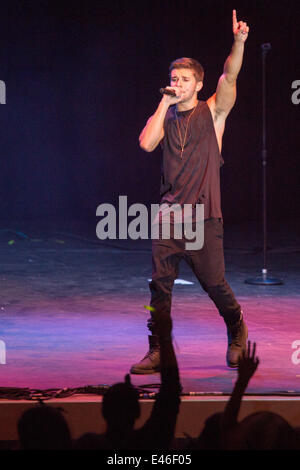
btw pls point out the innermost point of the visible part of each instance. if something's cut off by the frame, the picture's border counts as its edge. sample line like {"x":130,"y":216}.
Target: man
{"x":190,"y":132}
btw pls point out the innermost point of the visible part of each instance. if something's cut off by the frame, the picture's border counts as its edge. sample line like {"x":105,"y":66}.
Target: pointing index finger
{"x":234,"y":20}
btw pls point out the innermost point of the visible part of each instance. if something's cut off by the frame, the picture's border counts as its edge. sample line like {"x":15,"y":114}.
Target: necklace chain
{"x":183,"y":142}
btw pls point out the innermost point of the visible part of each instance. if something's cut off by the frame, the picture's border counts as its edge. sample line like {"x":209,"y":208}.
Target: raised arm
{"x":224,"y":98}
{"x":158,"y":431}
{"x":247,"y":366}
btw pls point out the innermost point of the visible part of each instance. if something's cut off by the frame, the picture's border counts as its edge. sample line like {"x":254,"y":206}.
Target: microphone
{"x":167,"y":91}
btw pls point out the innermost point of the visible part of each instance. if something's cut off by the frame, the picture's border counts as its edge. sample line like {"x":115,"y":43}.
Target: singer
{"x":190,"y":134}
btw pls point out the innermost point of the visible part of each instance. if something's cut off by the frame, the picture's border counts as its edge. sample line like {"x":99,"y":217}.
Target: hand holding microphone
{"x":167,"y":91}
{"x":173,"y":94}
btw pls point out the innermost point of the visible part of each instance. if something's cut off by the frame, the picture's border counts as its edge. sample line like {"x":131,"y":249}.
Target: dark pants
{"x":207,"y":264}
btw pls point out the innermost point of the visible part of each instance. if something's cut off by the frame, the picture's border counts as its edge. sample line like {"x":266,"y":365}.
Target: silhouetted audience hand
{"x":248,"y":364}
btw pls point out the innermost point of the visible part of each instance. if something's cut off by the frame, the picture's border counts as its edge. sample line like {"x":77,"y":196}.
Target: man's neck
{"x":186,"y":106}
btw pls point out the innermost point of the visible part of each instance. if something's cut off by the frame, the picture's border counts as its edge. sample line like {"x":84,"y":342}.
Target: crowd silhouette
{"x":45,"y":427}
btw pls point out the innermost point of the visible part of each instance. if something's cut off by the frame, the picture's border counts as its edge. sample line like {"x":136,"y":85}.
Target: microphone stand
{"x":264,"y":280}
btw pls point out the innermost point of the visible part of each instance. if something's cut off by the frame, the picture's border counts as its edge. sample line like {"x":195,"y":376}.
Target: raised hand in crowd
{"x":248,"y":364}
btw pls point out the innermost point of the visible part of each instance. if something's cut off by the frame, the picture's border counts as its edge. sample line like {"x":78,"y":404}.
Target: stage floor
{"x":72,"y":309}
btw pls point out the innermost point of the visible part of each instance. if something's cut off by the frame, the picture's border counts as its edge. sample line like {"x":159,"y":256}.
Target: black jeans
{"x":207,"y":264}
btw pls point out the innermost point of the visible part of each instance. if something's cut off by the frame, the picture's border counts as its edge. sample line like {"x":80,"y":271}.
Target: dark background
{"x":83,"y":77}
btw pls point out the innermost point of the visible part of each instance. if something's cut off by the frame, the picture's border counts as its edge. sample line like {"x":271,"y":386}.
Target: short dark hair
{"x":44,"y":427}
{"x":188,"y":63}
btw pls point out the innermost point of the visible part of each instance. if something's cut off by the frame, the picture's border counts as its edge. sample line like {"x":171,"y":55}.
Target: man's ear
{"x":199,"y":86}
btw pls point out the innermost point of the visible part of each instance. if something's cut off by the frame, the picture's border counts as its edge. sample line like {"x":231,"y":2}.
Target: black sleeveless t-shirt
{"x":194,"y":178}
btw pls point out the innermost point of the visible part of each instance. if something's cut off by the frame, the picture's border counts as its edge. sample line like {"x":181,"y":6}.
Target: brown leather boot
{"x":237,"y":334}
{"x":150,"y":364}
